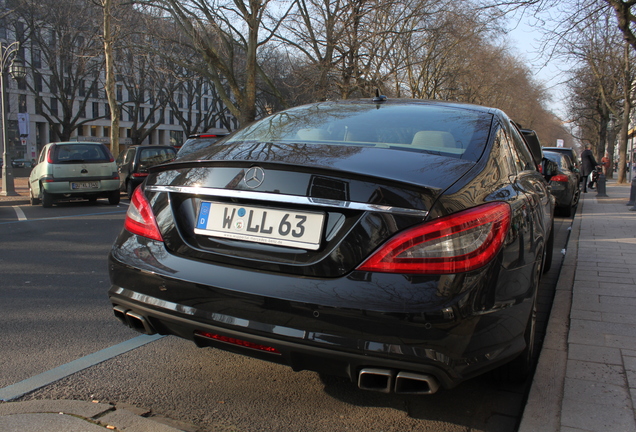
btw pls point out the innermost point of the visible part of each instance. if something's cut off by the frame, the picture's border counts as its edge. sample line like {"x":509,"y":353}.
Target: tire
{"x":47,"y":198}
{"x":549,"y":251}
{"x":129,"y":189}
{"x":114,"y":197}
{"x":32,"y":200}
{"x":519,"y":369}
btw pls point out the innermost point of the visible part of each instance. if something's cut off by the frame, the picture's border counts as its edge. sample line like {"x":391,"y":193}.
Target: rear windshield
{"x":556,"y":157}
{"x":156,"y":156}
{"x":81,"y":153}
{"x":195,"y":144}
{"x":427,"y":128}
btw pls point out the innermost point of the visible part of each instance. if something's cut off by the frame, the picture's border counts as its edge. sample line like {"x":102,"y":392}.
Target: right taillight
{"x":559,"y":178}
{"x":461,"y":242}
{"x":140,"y":219}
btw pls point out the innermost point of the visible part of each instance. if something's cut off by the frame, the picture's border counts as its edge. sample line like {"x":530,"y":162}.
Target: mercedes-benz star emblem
{"x":254,"y":177}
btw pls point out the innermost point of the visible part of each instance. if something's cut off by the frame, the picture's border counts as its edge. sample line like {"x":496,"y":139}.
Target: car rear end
{"x":346,"y":257}
{"x":80,"y":170}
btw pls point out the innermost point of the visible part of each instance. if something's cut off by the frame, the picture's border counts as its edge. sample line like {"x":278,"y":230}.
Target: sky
{"x":526,"y":41}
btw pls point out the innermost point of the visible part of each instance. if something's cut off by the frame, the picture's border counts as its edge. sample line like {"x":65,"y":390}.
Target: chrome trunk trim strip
{"x":286,"y":199}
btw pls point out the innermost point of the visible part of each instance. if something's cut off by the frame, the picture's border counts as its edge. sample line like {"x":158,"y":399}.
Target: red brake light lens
{"x":559,"y":178}
{"x":457,"y":243}
{"x":140,"y":219}
{"x":49,"y":154}
{"x":235,"y":341}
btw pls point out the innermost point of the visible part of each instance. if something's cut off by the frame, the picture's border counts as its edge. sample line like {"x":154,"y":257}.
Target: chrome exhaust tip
{"x":380,"y":380}
{"x":415,"y":384}
{"x":139,"y":323}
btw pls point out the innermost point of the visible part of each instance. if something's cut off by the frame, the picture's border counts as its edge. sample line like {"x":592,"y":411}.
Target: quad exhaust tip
{"x":386,"y":381}
{"x":133,"y":320}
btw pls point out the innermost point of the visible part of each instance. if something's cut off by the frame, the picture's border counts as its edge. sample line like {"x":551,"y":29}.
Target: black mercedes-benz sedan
{"x":398,"y":243}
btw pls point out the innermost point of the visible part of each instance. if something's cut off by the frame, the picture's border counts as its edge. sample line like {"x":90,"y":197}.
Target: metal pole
{"x":8,"y":188}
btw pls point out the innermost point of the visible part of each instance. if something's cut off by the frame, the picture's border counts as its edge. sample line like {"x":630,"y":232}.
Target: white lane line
{"x":21,"y":388}
{"x":20,"y":213}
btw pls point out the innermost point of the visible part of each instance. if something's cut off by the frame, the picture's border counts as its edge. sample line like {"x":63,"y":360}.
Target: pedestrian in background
{"x":605,"y":161}
{"x":588,"y":163}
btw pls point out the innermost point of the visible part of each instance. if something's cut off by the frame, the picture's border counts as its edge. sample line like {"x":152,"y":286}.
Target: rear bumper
{"x":64,"y":187}
{"x":174,"y":298}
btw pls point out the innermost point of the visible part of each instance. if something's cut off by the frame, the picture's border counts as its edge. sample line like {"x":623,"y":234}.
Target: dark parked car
{"x":22,"y":163}
{"x":574,"y":157}
{"x":564,"y":184}
{"x":396,"y":243}
{"x":133,"y":164}
{"x":197,"y":142}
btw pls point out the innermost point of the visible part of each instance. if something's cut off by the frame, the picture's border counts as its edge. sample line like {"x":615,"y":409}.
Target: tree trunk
{"x":110,"y":78}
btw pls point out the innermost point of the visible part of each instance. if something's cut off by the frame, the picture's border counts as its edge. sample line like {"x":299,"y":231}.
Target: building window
{"x":107,"y":110}
{"x":95,"y":109}
{"x":22,"y":103}
{"x":54,"y":106}
{"x":171,"y":121}
{"x":120,"y":93}
{"x":93,"y":131}
{"x":180,"y":99}
{"x":36,"y":58}
{"x":94,"y":90}
{"x":142,"y":114}
{"x":82,"y":88}
{"x":37,"y":82}
{"x":176,"y":138}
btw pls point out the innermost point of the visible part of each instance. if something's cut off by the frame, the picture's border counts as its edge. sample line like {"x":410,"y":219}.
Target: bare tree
{"x":226,"y":33}
{"x":65,"y":59}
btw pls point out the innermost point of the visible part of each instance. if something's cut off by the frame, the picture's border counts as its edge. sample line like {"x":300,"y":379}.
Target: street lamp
{"x":16,"y":68}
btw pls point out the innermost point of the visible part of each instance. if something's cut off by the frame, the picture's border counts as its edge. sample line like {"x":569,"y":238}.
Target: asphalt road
{"x":54,"y":310}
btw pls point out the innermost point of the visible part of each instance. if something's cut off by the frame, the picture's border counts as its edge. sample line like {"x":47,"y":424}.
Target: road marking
{"x":20,"y":213}
{"x":64,"y":217}
{"x":21,"y":388}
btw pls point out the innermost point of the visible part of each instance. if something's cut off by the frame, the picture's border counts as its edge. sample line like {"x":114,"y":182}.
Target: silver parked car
{"x":72,"y":170}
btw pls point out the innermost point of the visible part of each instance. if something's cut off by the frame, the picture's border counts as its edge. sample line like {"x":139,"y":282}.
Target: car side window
{"x":502,"y":140}
{"x":42,"y":154}
{"x":520,"y":152}
{"x":130,"y":155}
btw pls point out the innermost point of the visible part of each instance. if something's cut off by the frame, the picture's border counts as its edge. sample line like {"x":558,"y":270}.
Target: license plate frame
{"x":259,"y":224}
{"x":84,"y":185}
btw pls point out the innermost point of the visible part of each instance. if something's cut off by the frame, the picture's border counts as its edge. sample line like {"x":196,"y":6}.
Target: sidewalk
{"x":586,"y":376}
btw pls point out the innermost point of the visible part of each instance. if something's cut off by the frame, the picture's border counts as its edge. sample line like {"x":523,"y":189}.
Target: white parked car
{"x":72,"y":170}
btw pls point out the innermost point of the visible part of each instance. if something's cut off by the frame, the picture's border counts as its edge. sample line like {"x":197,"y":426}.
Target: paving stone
{"x":595,"y":354}
{"x":597,"y":392}
{"x":590,"y":371}
{"x":589,"y":417}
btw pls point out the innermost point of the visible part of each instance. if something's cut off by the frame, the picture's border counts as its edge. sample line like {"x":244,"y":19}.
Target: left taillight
{"x":140,"y":219}
{"x":461,"y":242}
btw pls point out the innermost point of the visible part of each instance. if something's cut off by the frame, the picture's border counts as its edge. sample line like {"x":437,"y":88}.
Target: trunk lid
{"x":261,"y":200}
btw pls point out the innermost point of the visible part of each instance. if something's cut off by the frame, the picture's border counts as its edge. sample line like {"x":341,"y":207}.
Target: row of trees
{"x":595,"y":38}
{"x":259,"y":56}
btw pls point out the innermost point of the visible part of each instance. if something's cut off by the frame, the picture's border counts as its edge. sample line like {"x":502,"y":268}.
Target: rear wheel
{"x":32,"y":199}
{"x":129,"y":189}
{"x":47,"y":198}
{"x":113,"y":198}
{"x":521,"y":367}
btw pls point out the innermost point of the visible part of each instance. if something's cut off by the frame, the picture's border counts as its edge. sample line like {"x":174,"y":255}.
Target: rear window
{"x":195,"y":144}
{"x":555,"y":157}
{"x":428,"y":128}
{"x":80,"y":153}
{"x":156,"y":156}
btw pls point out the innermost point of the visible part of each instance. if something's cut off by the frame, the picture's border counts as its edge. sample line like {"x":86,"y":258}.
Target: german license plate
{"x":85,"y":185}
{"x":298,"y":229}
